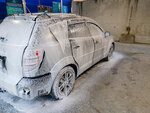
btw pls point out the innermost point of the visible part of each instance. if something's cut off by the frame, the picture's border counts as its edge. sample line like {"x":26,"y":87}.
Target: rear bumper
{"x":26,"y":88}
{"x":29,"y":88}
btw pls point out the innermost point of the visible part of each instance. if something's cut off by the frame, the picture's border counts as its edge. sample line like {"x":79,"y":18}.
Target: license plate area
{"x":2,"y":62}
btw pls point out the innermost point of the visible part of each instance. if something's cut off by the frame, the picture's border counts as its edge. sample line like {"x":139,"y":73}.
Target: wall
{"x":33,"y":6}
{"x":2,"y":9}
{"x":116,"y":15}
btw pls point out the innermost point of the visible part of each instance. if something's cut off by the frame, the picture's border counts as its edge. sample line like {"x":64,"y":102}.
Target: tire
{"x":64,"y":83}
{"x":111,"y":50}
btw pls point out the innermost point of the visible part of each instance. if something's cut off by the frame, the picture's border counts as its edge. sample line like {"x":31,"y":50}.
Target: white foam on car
{"x":47,"y":104}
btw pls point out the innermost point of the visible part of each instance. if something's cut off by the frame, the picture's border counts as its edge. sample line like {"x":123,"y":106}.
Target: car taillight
{"x":31,"y":61}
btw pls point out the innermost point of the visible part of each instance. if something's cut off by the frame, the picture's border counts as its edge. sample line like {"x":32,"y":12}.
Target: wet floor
{"x":118,"y":86}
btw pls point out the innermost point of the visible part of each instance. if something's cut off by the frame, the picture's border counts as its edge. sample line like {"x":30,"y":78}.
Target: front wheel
{"x":111,"y":50}
{"x":63,"y":83}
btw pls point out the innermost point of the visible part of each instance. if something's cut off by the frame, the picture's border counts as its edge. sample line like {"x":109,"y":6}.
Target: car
{"x":42,"y":53}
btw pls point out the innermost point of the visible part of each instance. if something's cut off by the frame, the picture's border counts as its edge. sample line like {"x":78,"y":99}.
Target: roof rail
{"x":42,"y":14}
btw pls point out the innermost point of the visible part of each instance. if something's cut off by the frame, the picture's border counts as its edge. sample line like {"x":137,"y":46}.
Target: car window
{"x":95,"y":30}
{"x":78,"y":30}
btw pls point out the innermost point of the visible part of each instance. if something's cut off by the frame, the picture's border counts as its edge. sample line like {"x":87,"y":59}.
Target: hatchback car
{"x":42,"y":54}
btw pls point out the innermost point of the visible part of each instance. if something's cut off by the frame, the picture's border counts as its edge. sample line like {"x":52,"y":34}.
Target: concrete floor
{"x":118,"y":86}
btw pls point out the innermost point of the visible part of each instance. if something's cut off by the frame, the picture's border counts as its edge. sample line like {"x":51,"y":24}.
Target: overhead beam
{"x":61,"y":6}
{"x":24,"y":6}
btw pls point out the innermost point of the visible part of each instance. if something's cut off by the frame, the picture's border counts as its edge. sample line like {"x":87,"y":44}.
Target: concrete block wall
{"x":116,"y":15}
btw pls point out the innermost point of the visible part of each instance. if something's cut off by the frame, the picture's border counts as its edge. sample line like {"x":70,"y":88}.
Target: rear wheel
{"x":63,"y":83}
{"x":111,"y":50}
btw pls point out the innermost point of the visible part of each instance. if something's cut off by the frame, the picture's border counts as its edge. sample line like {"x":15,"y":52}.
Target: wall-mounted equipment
{"x":14,"y":7}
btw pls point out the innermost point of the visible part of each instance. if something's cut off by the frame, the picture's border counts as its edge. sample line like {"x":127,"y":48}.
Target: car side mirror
{"x":106,"y":34}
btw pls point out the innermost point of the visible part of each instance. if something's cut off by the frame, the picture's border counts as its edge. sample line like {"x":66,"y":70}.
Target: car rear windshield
{"x":16,"y":31}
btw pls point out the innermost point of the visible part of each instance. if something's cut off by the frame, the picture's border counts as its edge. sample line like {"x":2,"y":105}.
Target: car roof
{"x":71,"y":18}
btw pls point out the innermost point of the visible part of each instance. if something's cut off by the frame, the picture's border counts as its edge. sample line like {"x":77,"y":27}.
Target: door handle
{"x":71,"y":40}
{"x":76,"y":47}
{"x":96,"y":42}
{"x":74,"y":43}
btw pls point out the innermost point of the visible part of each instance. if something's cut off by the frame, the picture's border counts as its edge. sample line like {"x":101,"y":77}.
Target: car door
{"x":98,"y":36}
{"x":82,"y":45}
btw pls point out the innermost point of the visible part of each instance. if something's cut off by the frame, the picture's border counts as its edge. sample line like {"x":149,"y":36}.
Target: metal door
{"x":98,"y":36}
{"x":82,"y":45}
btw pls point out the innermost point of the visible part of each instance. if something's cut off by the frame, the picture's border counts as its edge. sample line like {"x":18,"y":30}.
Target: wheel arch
{"x":109,"y":44}
{"x":67,"y":61}
{"x":74,"y":67}
{"x":113,"y":44}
